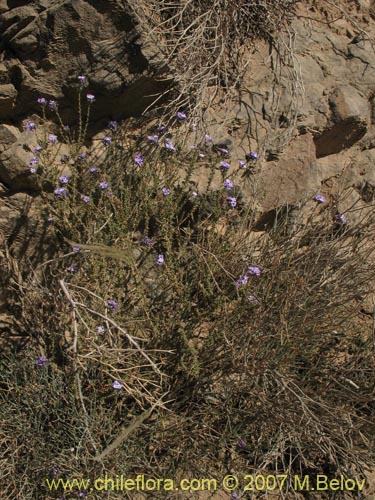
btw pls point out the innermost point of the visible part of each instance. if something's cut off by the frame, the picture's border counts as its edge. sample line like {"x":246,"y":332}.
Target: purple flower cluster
{"x":160,"y":260}
{"x":224,"y":166}
{"x":41,"y":361}
{"x":112,"y":305}
{"x":138,"y":159}
{"x":166,"y":191}
{"x":60,"y":192}
{"x":232,"y":201}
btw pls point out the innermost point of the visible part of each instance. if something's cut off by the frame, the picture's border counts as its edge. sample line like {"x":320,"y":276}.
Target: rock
{"x":292,"y":178}
{"x":8,"y":95}
{"x":8,"y":135}
{"x":350,"y":117}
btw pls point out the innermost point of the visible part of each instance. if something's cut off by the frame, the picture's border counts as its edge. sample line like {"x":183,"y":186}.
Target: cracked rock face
{"x":47,"y":44}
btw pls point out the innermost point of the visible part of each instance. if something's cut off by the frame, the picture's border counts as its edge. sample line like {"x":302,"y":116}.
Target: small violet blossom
{"x":228,"y":184}
{"x":232,"y":201}
{"x":101,"y":329}
{"x":241,"y":443}
{"x":253,"y":155}
{"x":103,"y":185}
{"x":76,"y":249}
{"x":106,"y":140}
{"x":341,"y":219}
{"x":30,"y":126}
{"x":52,"y":138}
{"x":181,"y":116}
{"x":224,"y":166}
{"x":320,"y":198}
{"x":71,"y":269}
{"x":254,"y":270}
{"x":168,"y":145}
{"x":37,"y":149}
{"x":42,"y":361}
{"x":138,"y":159}
{"x":60,"y":192}
{"x":243,"y":280}
{"x":242,"y":164}
{"x":117,"y":385}
{"x":92,"y":170}
{"x":85,"y":198}
{"x":223,"y":151}
{"x":42,"y":101}
{"x":160,"y":259}
{"x":64,"y":179}
{"x":90,"y":98}
{"x":166,"y":191}
{"x":33,"y":161}
{"x":153,"y":138}
{"x":113,"y":305}
{"x":162,"y":128}
{"x":207,"y":139}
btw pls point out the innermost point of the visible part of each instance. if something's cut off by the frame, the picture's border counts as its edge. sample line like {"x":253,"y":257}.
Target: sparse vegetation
{"x":244,"y":344}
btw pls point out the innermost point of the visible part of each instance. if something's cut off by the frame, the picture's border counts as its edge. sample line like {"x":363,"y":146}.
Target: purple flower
{"x":241,"y":443}
{"x":42,"y":361}
{"x":201,"y":155}
{"x":243,"y":280}
{"x":228,"y":184}
{"x":254,"y":270}
{"x":242,"y":164}
{"x":85,"y":198}
{"x":50,"y":219}
{"x":32,"y":170}
{"x":166,"y":191}
{"x":71,"y":269}
{"x":30,"y":126}
{"x":42,"y":101}
{"x":223,"y":151}
{"x":103,"y":185}
{"x":138,"y":159}
{"x":60,"y":192}
{"x":146,"y":241}
{"x":181,"y":116}
{"x":117,"y":385}
{"x":37,"y":149}
{"x":81,"y":156}
{"x":153,"y":138}
{"x":64,"y":179}
{"x":53,"y":105}
{"x":168,"y":145}
{"x":82,"y":80}
{"x":232,"y":201}
{"x":160,"y":259}
{"x":112,"y":305}
{"x":93,"y":170}
{"x":101,"y":329}
{"x":52,"y":138}
{"x":235,"y":496}
{"x":55,"y":471}
{"x":320,"y":198}
{"x":113,"y":125}
{"x":341,"y":219}
{"x":207,"y":139}
{"x":33,"y":161}
{"x":76,"y":249}
{"x":253,"y":155}
{"x":90,"y":98}
{"x":162,"y":128}
{"x":106,"y":140}
{"x":224,"y":166}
